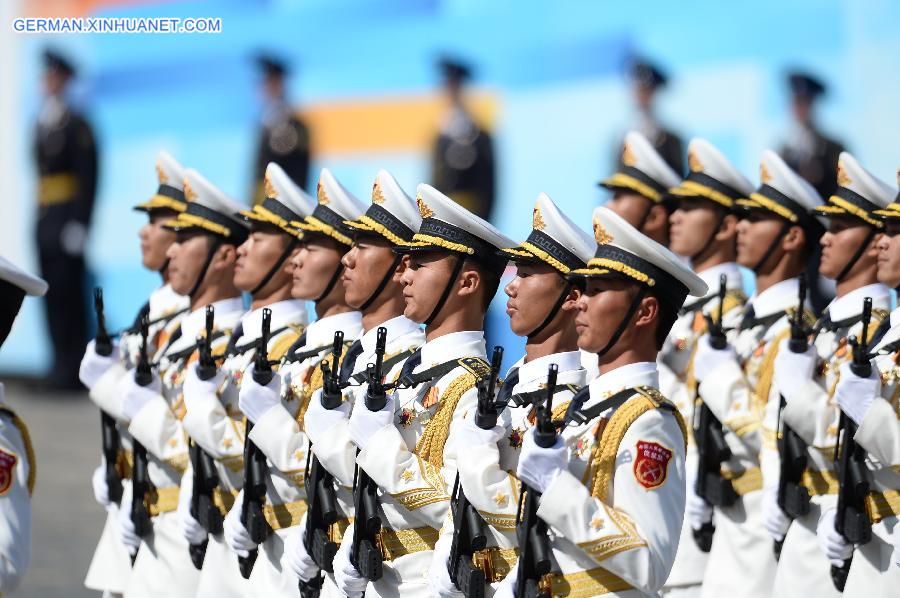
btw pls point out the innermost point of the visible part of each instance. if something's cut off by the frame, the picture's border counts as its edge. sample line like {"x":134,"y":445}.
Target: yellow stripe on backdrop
{"x":402,"y":123}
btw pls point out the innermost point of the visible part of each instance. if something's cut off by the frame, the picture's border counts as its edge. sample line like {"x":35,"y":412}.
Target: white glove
{"x":538,"y":467}
{"x":836,"y":548}
{"x":507,"y":586}
{"x":438,"y":576}
{"x":126,"y":529}
{"x":793,"y":370}
{"x":73,"y":237}
{"x":707,"y":359}
{"x":236,"y":535}
{"x":346,"y":577}
{"x":469,"y":434}
{"x":191,"y":529}
{"x":364,"y":423}
{"x":195,"y":389}
{"x":317,"y":420}
{"x":295,"y":557}
{"x":697,"y":510}
{"x":854,"y":395}
{"x":101,"y":490}
{"x":774,"y":519}
{"x":137,"y":397}
{"x":93,"y":366}
{"x":255,"y":400}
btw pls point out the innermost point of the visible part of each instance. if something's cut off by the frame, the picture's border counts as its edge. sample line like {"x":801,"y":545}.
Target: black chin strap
{"x":164,"y":267}
{"x":384,"y":280}
{"x":784,"y":229}
{"x":277,"y":266}
{"x":859,"y":251}
{"x":213,"y":248}
{"x":553,"y":310}
{"x":712,"y":237}
{"x":646,"y":215}
{"x":457,"y":268}
{"x":334,"y":279}
{"x":624,"y":323}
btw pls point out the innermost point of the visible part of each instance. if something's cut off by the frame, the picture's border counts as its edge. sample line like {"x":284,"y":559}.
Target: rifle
{"x":531,"y":531}
{"x":255,"y":469}
{"x":206,"y":479}
{"x":320,"y":487}
{"x":469,"y":528}
{"x":365,"y":552}
{"x":793,"y":497}
{"x":712,"y":449}
{"x":109,"y":435}
{"x":140,"y":481}
{"x":851,"y":518}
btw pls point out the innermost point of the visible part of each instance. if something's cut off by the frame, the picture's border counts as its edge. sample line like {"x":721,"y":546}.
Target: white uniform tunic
{"x":279,"y":435}
{"x":111,"y":565}
{"x":17,"y":473}
{"x":414,"y":463}
{"x":742,"y":562}
{"x":163,"y":566}
{"x":676,"y":383}
{"x":332,"y":445}
{"x":216,"y":424}
{"x":616,"y":512}
{"x":813,"y":415}
{"x":873,"y":572}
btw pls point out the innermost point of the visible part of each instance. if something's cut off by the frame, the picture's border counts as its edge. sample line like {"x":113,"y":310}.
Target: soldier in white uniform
{"x":201,"y":266}
{"x":17,"y":461}
{"x":872,"y":404}
{"x":110,"y":567}
{"x":639,"y":187}
{"x":541,"y":307}
{"x":213,"y":420}
{"x":703,"y":228}
{"x":776,"y":235}
{"x":807,"y":380}
{"x":277,"y":410}
{"x":613,"y":485}
{"x":410,"y":448}
{"x":372,"y":282}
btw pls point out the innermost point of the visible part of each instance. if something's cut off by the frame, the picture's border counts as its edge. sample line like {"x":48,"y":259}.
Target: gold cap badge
{"x":601,"y":235}
{"x":537,"y":220}
{"x":842,"y":178}
{"x":189,"y":193}
{"x":270,"y":188}
{"x":628,"y":158}
{"x":764,"y":175}
{"x":161,"y":174}
{"x":321,"y":195}
{"x":377,"y":196}
{"x":424,"y":210}
{"x":694,"y":162}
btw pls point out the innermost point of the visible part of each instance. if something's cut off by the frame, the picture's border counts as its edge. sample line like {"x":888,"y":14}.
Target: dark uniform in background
{"x":283,"y":138}
{"x":66,"y":157}
{"x":813,"y":156}
{"x":647,"y":80}
{"x":463,"y":153}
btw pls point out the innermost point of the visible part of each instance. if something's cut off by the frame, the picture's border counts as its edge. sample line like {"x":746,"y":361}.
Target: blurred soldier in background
{"x":806,"y":149}
{"x":283,"y":137}
{"x":66,"y":158}
{"x":463,"y":154}
{"x":814,"y":157}
{"x":646,"y":80}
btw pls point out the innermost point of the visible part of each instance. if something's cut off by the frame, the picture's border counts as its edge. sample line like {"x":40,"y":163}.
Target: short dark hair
{"x":490,"y":279}
{"x":668,"y":313}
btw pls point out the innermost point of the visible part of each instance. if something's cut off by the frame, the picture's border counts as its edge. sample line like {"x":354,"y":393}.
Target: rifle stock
{"x":140,"y":481}
{"x":531,"y":531}
{"x":469,"y":527}
{"x":109,"y":434}
{"x":851,"y":517}
{"x":255,"y":469}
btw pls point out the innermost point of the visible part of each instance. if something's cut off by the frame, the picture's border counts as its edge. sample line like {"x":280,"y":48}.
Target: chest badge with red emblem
{"x":7,"y":470}
{"x":651,"y":464}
